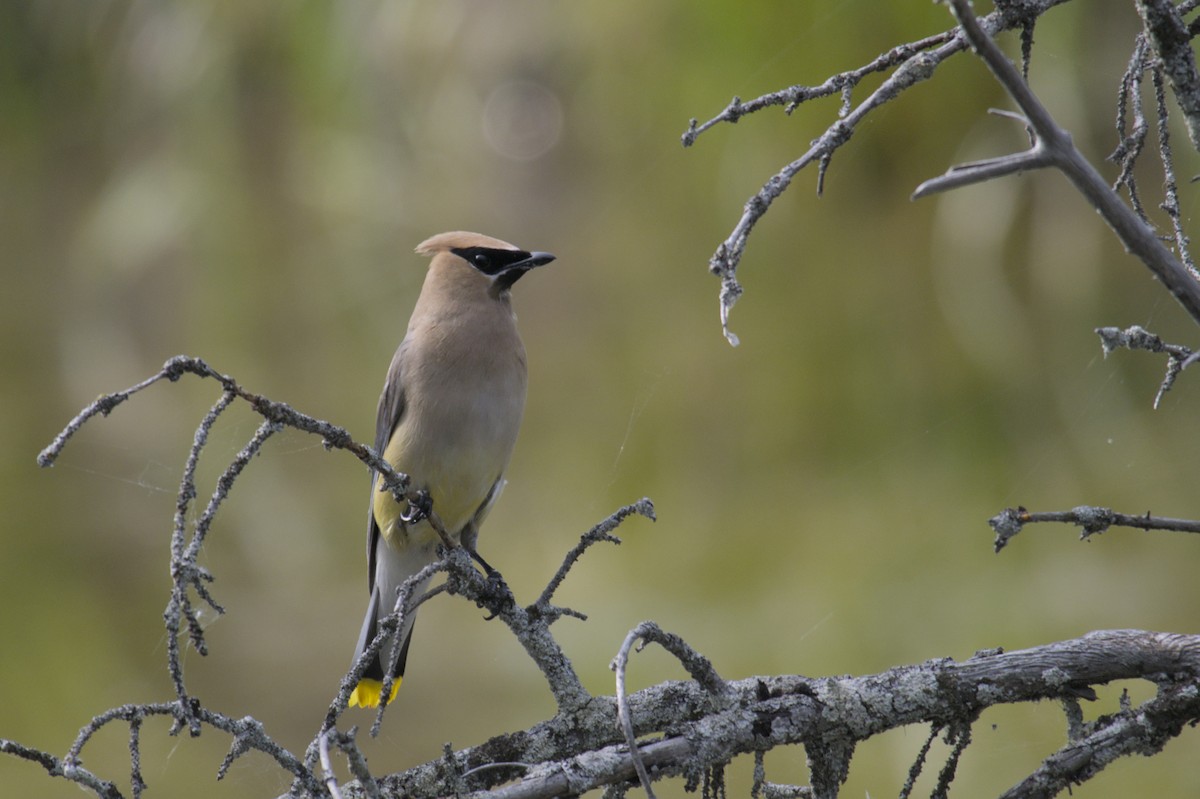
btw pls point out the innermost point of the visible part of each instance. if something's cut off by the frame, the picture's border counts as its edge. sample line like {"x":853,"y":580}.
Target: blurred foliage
{"x":245,"y":182}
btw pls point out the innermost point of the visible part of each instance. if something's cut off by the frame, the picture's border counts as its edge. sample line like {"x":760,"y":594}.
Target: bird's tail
{"x":370,"y":688}
{"x":392,"y":568}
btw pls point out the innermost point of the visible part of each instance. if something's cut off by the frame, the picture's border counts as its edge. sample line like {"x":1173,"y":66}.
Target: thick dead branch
{"x":570,"y":755}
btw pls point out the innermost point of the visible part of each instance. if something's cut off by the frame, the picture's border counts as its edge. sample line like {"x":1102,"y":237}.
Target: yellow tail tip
{"x":368,"y":693}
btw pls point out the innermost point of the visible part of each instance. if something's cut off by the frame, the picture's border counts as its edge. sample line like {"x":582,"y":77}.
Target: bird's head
{"x":502,"y":263}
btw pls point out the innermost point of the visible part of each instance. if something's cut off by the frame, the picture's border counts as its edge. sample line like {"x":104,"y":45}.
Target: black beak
{"x":534,"y":259}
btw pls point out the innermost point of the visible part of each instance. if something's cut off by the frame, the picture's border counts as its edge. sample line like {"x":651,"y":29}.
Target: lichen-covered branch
{"x":1171,"y":39}
{"x":530,"y":625}
{"x":1136,"y":337}
{"x":584,"y":751}
{"x":1010,"y":521}
{"x":690,"y":729}
{"x":1142,"y":731}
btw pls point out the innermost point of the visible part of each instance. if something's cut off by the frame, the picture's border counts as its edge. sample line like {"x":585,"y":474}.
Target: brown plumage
{"x":448,"y":417}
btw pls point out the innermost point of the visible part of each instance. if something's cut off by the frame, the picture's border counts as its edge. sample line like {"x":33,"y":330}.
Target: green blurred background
{"x":245,"y":182}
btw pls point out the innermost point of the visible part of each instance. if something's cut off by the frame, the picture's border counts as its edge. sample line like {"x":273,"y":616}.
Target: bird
{"x":448,"y":417}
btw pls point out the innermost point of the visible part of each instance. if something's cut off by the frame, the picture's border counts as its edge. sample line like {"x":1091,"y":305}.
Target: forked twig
{"x":1136,"y":337}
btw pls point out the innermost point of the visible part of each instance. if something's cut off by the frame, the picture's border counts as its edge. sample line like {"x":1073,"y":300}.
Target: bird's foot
{"x":497,"y":594}
{"x":419,"y":508}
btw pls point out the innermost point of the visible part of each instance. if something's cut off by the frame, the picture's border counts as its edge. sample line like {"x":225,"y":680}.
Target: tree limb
{"x":1054,"y":148}
{"x":911,"y":64}
{"x":571,"y":755}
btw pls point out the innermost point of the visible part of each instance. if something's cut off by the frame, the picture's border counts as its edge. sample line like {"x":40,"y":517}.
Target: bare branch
{"x":327,"y":775}
{"x":248,"y":735}
{"x":1136,"y":337}
{"x":1052,"y":147}
{"x":1142,"y":732}
{"x":56,"y":768}
{"x":1010,"y":521}
{"x":601,"y":532}
{"x":696,"y":664}
{"x":332,"y":436}
{"x":1133,"y":140}
{"x":1170,"y":202}
{"x":725,"y":260}
{"x":1172,"y":40}
{"x":763,"y":713}
{"x":358,"y":762}
{"x":911,"y":64}
{"x":185,"y":571}
{"x":842,"y":83}
{"x":974,"y":172}
{"x":1055,"y":143}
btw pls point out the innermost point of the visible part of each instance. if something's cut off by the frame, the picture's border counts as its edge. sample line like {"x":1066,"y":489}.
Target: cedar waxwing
{"x":448,"y":417}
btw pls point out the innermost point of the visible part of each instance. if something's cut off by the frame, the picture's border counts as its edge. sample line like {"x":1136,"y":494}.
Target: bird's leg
{"x":498,"y":593}
{"x":497,"y":590}
{"x":487,"y":567}
{"x":419,"y":507}
{"x":470,"y":540}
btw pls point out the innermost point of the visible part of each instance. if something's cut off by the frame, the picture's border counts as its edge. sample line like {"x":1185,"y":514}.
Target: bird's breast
{"x":463,"y":409}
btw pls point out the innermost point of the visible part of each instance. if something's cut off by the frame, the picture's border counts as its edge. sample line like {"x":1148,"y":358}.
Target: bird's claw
{"x":419,"y":508}
{"x":498,"y":592}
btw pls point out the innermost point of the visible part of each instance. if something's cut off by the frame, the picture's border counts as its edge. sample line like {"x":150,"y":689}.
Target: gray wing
{"x":391,"y":410}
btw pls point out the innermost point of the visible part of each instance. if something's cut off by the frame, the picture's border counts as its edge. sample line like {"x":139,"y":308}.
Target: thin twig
{"x":960,"y":736}
{"x":1144,"y":731}
{"x":1136,"y":337}
{"x":1172,"y":41}
{"x":333,"y":436}
{"x":698,"y":666}
{"x":601,"y":532}
{"x":1010,"y":521}
{"x":619,"y":665}
{"x":843,"y":83}
{"x":918,"y":765}
{"x":135,"y":757}
{"x":358,"y":763}
{"x":1170,"y":202}
{"x":1133,"y":140}
{"x":403,"y":608}
{"x":327,"y":775}
{"x":58,"y":768}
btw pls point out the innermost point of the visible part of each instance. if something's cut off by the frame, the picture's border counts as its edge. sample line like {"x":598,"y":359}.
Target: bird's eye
{"x":481,"y":260}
